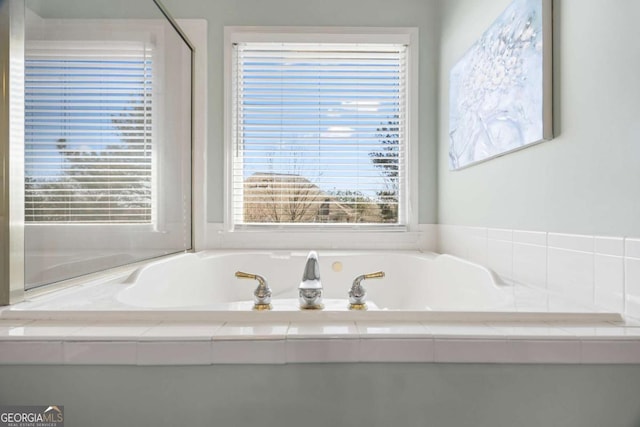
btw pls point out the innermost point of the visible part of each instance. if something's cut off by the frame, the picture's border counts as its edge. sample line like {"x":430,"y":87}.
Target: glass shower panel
{"x":107,"y":137}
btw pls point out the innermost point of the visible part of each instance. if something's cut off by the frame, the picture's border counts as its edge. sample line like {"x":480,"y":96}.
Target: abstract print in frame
{"x":500,"y":91}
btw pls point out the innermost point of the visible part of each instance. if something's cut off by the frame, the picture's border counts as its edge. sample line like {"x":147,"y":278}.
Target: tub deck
{"x":202,"y":286}
{"x":86,"y":323}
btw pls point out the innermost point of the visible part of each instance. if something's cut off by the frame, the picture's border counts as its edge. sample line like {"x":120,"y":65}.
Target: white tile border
{"x":248,"y":331}
{"x":99,"y":352}
{"x":395,"y":330}
{"x":530,"y":264}
{"x":530,"y":237}
{"x":632,"y":248}
{"x":613,"y":246}
{"x":573,"y":242}
{"x":408,"y":342}
{"x":111,"y":331}
{"x":186,"y":331}
{"x":31,"y":353}
{"x":322,"y":331}
{"x":500,"y":234}
{"x":573,"y":267}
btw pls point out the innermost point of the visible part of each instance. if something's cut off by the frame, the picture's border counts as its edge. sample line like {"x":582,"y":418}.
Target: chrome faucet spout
{"x":311,"y":268}
{"x":310,"y":289}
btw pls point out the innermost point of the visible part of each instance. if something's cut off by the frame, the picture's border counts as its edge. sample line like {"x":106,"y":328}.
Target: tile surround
{"x":248,"y":331}
{"x":613,"y":246}
{"x":632,"y":248}
{"x":398,"y":342}
{"x":500,"y":257}
{"x":600,"y":270}
{"x":593,"y":270}
{"x":609,"y":282}
{"x":40,"y":330}
{"x":394,"y":330}
{"x":327,"y":330}
{"x":463,"y":330}
{"x":477,"y":249}
{"x":500,"y":234}
{"x":31,"y":352}
{"x":530,"y":237}
{"x":99,"y":352}
{"x":571,"y":273}
{"x":535,"y":331}
{"x":120,"y":331}
{"x":632,"y":286}
{"x":530,"y":264}
{"x":187,"y":331}
{"x":573,"y":242}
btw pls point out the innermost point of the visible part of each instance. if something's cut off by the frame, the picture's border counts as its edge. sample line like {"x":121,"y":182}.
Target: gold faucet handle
{"x":357,"y":294}
{"x":262,"y":294}
{"x":376,"y":275}
{"x":262,"y":282}
{"x":243,"y":275}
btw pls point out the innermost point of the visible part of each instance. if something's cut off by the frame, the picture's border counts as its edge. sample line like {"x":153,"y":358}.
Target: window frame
{"x":408,"y":36}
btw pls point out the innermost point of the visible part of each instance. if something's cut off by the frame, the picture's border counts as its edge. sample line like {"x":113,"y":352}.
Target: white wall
{"x":587,"y":179}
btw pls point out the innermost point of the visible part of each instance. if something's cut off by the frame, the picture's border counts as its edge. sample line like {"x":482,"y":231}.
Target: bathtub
{"x":412,"y":281}
{"x":416,"y":286}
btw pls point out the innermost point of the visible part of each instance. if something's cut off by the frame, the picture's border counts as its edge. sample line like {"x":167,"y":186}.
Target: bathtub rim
{"x":122,"y":274}
{"x":269,"y":317}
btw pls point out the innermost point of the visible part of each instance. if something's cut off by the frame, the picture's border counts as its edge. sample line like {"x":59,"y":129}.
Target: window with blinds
{"x":88,"y":132}
{"x":318,"y":133}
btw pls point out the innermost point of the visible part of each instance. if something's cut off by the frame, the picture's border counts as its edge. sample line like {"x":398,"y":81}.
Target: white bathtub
{"x":413,"y":281}
{"x":417,"y":286}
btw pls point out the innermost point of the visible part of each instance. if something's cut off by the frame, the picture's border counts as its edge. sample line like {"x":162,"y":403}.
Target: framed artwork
{"x":500,"y":92}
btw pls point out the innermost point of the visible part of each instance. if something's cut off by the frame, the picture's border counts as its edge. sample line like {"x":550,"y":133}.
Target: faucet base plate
{"x":312,"y":307}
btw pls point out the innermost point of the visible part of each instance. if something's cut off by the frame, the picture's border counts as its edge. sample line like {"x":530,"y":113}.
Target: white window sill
{"x":422,"y":238}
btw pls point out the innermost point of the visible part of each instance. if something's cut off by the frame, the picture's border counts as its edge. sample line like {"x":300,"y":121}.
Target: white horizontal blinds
{"x":319,"y":132}
{"x":88,"y":130}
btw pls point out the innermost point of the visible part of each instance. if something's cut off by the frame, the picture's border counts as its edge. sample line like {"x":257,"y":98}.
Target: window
{"x":319,"y":129}
{"x":88,"y":132}
{"x":108,"y":142}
